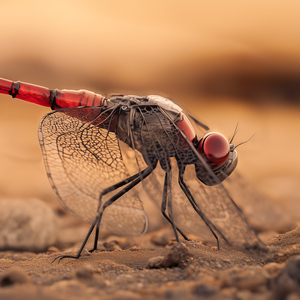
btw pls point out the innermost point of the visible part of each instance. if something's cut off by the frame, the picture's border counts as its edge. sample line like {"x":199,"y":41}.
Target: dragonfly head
{"x":219,"y":154}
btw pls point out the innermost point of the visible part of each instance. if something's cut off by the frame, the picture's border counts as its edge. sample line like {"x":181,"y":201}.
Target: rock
{"x":191,"y":270}
{"x":155,"y":262}
{"x":205,"y":291}
{"x":112,"y":246}
{"x":288,"y":281}
{"x":287,"y":239}
{"x":250,"y":278}
{"x":52,"y":249}
{"x":135,"y":248}
{"x":162,"y":237}
{"x":85,"y":272}
{"x":174,"y":257}
{"x":294,"y":296}
{"x":286,"y":245}
{"x":273,"y":269}
{"x":14,"y":276}
{"x":252,"y":283}
{"x":283,"y":255}
{"x":26,"y":225}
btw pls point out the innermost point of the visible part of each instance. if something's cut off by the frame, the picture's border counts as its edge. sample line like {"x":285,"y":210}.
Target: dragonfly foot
{"x":61,"y":257}
{"x":92,"y":250}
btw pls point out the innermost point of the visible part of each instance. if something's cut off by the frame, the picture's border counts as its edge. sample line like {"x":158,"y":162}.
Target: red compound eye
{"x":215,"y":148}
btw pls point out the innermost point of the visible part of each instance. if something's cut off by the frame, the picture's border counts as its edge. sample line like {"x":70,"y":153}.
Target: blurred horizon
{"x":248,"y":50}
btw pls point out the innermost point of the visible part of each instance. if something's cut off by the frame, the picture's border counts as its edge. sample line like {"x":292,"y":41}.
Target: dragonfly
{"x":103,"y":155}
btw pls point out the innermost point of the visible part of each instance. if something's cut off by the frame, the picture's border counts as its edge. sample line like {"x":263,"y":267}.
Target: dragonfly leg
{"x":188,"y":194}
{"x":146,"y":172}
{"x":59,"y":258}
{"x":96,"y":237}
{"x":167,"y":201}
{"x":163,"y":210}
{"x":108,"y":190}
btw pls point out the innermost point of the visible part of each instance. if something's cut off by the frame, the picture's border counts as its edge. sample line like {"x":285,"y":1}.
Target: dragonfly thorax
{"x":159,"y":134}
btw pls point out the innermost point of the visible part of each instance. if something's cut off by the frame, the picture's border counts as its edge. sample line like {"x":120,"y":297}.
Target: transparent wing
{"x":227,"y":219}
{"x":221,"y":210}
{"x":83,"y":156}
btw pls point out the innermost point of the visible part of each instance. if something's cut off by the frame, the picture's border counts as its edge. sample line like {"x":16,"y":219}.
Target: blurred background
{"x":226,"y":62}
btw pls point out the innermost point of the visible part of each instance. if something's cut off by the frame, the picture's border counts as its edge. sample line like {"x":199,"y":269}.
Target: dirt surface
{"x":191,"y":270}
{"x":153,"y":266}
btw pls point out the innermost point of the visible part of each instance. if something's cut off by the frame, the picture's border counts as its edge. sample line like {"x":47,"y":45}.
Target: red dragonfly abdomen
{"x":51,"y":98}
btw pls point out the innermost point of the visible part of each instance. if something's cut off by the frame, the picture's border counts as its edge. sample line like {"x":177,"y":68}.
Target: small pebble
{"x":86,"y":252}
{"x":155,"y":262}
{"x":14,"y":276}
{"x":175,"y":256}
{"x":251,"y":283}
{"x":112,"y":246}
{"x":160,"y":239}
{"x":250,"y":278}
{"x":288,"y":281}
{"x":135,"y":248}
{"x":52,"y":249}
{"x":191,"y":270}
{"x":273,"y":268}
{"x":26,"y":225}
{"x":171,"y":243}
{"x":85,"y":272}
{"x":287,"y":253}
{"x":204,"y":291}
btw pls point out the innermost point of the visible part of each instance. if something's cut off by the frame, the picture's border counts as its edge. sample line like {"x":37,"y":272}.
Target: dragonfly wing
{"x":221,"y":210}
{"x":83,"y":157}
{"x":215,"y":203}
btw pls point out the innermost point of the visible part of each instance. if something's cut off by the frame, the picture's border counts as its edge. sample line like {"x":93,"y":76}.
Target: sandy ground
{"x":225,"y":62}
{"x":175,"y":271}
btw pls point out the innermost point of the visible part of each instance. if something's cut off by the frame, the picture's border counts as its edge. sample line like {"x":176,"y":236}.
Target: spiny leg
{"x":197,"y":209}
{"x":155,"y":143}
{"x":163,"y":210}
{"x":110,"y":201}
{"x":59,"y":258}
{"x":186,"y":190}
{"x":167,"y":200}
{"x":108,"y":190}
{"x":152,"y":162}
